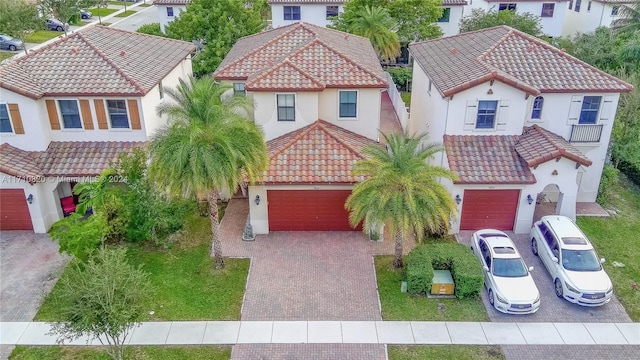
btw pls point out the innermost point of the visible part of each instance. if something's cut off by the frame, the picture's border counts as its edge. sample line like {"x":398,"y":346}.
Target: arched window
{"x":537,"y":107}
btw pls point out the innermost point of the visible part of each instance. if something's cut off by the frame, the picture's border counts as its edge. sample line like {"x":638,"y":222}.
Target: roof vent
{"x":454,"y":51}
{"x":123,"y":53}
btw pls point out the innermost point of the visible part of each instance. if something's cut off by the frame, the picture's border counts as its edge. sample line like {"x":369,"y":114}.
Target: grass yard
{"x":6,"y":54}
{"x":97,"y":12}
{"x":126,"y":13}
{"x":145,"y":5}
{"x":403,"y":306}
{"x":131,"y":352}
{"x":406,"y":97}
{"x":187,"y":285}
{"x":445,"y":352}
{"x":617,"y":239}
{"x":40,"y":36}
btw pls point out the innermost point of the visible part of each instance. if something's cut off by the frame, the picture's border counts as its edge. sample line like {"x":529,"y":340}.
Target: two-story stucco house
{"x":453,"y":11}
{"x":317,"y":12}
{"x":585,"y":16}
{"x":169,"y":10}
{"x":520,"y":120}
{"x":317,"y":96}
{"x":70,"y":107}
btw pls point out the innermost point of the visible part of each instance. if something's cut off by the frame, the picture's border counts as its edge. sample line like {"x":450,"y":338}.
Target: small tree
{"x":18,"y":18}
{"x":79,"y":237}
{"x":481,"y":19}
{"x":63,"y":10}
{"x":103,"y":299}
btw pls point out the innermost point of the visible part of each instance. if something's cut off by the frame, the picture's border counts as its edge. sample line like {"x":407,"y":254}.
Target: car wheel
{"x":558,"y":288}
{"x":59,"y":28}
{"x":12,"y":47}
{"x":534,"y":246}
{"x":491,"y":301}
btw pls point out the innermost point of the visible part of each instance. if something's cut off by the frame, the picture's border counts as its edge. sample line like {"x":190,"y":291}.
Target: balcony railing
{"x":585,"y":133}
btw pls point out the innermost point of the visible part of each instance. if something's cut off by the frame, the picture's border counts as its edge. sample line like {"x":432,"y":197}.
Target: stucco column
{"x":567,"y":202}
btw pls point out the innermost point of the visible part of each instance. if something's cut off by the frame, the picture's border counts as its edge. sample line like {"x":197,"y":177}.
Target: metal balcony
{"x":585,"y":133}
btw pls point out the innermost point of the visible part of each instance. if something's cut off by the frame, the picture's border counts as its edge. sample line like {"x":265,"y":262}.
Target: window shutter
{"x":574,"y":109}
{"x":607,"y":111}
{"x":16,"y":119}
{"x":53,"y":114}
{"x":85,"y":109}
{"x":471,"y":115}
{"x":134,"y":114}
{"x":101,"y":115}
{"x":503,"y":115}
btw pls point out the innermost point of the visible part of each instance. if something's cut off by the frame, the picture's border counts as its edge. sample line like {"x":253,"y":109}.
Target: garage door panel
{"x":489,"y":209}
{"x":308,"y":210}
{"x":14,"y":211}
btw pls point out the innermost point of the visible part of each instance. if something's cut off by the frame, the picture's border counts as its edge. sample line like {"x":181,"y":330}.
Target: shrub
{"x":401,"y":76}
{"x":79,"y":237}
{"x":150,"y":29}
{"x":609,"y":178}
{"x":465,"y":268}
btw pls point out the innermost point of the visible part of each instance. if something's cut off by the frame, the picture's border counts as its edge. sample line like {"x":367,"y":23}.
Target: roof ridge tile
{"x":276,"y":67}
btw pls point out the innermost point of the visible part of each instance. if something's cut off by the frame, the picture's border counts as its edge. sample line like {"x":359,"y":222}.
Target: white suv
{"x":571,"y":261}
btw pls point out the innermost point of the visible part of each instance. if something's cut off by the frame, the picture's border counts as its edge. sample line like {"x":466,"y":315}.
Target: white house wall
{"x":551,"y":26}
{"x":311,"y":13}
{"x":587,"y":21}
{"x":164,"y":18}
{"x":37,"y":131}
{"x":452,"y":27}
{"x":428,"y":108}
{"x":367,"y":121}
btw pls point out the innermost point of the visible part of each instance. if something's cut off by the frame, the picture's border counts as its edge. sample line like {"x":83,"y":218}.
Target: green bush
{"x":150,"y":29}
{"x":609,"y":178}
{"x":465,"y":268}
{"x":401,"y":76}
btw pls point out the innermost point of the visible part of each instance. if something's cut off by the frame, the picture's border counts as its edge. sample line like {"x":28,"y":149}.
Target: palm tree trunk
{"x":215,"y":229}
{"x":397,"y":262}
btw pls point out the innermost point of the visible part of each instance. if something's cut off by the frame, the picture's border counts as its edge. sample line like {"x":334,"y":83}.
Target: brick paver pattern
{"x":308,"y":351}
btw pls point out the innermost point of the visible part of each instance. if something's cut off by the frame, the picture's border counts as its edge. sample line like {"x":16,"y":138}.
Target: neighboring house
{"x":552,"y":13}
{"x":317,"y":12}
{"x":520,"y":121}
{"x":453,"y":12}
{"x":168,"y":10}
{"x":66,"y":109}
{"x":317,"y":96}
{"x":585,"y":16}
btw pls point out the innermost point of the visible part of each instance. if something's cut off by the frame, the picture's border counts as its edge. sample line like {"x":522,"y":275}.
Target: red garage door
{"x":308,"y":210}
{"x":14,"y":211}
{"x":495,"y":209}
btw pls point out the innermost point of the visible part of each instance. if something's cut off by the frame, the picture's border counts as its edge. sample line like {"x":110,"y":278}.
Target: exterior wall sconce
{"x":257,"y":200}
{"x":529,"y":199}
{"x":30,"y":199}
{"x":458,"y":199}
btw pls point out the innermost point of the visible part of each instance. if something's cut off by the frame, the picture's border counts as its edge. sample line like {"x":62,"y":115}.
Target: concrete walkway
{"x":346,"y":332}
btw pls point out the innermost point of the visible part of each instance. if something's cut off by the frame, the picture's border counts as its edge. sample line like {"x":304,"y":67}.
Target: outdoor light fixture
{"x":257,"y":200}
{"x":30,"y":199}
{"x":458,"y":199}
{"x":529,"y":199}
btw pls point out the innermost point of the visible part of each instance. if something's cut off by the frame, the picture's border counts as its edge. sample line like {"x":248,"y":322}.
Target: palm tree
{"x":628,"y":18}
{"x":375,"y":24}
{"x":210,"y":144}
{"x":401,"y":190}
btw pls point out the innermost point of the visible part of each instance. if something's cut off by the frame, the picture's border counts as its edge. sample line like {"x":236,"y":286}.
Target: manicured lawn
{"x":616,"y":239}
{"x":126,"y":13}
{"x":187,"y":285}
{"x":145,"y":5}
{"x":406,"y":97}
{"x":131,"y":352}
{"x":5,"y":55}
{"x":101,"y":11}
{"x":41,"y":36}
{"x":402,"y":306}
{"x":445,"y":352}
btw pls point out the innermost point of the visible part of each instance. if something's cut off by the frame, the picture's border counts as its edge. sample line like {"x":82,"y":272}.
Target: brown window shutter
{"x":101,"y":114}
{"x":85,"y":109}
{"x":134,"y":114}
{"x":16,"y":119}
{"x":53,"y":114}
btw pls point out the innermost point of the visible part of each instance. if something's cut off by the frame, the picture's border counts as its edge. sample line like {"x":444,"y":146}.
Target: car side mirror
{"x":602,"y":261}
{"x":554,"y":259}
{"x":530,"y":268}
{"x":486,"y":268}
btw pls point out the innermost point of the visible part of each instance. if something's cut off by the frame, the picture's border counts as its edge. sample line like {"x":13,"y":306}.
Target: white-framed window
{"x":238,"y":89}
{"x":332,"y":11}
{"x":118,"y":116}
{"x":487,"y":110}
{"x":291,"y":12}
{"x":547,"y":9}
{"x":507,"y":6}
{"x":169,"y":11}
{"x":5,"y":120}
{"x":590,"y":109}
{"x":70,"y":114}
{"x":286,"y":104}
{"x":446,"y":15}
{"x":348,"y":103}
{"x":536,"y":111}
{"x":577,"y":7}
{"x":614,"y":10}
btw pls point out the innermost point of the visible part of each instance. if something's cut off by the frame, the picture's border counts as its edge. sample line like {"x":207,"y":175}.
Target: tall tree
{"x":18,"y":18}
{"x":482,"y":19}
{"x":209,"y":145}
{"x":375,"y":24}
{"x":628,"y":20}
{"x":63,"y":10}
{"x":401,"y":190}
{"x":218,"y":24}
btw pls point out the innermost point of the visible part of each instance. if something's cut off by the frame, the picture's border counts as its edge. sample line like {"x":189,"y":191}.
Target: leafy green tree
{"x":209,"y":145}
{"x":63,"y":10}
{"x":401,"y":190}
{"x":151,"y":29}
{"x":102,"y":298}
{"x":218,"y":24}
{"x":18,"y":18}
{"x":79,"y":237}
{"x":599,"y":48}
{"x":482,"y":19}
{"x":375,"y":24}
{"x":626,"y":128}
{"x":628,"y":20}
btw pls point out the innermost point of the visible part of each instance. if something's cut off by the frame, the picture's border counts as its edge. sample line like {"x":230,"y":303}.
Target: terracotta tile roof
{"x":283,"y":77}
{"x":171,"y":2}
{"x":517,"y":1}
{"x":332,"y":58}
{"x":454,"y":2}
{"x":459,"y":62}
{"x":306,"y":1}
{"x":19,"y":163}
{"x":538,"y":145}
{"x":487,"y":160}
{"x":319,"y":153}
{"x":615,"y":1}
{"x":95,"y":61}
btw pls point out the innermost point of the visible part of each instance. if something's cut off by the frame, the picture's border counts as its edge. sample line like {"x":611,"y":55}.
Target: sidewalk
{"x":347,"y":332}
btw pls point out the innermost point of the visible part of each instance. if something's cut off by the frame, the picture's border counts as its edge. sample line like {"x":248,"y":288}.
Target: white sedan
{"x":506,"y":277}
{"x":571,"y":261}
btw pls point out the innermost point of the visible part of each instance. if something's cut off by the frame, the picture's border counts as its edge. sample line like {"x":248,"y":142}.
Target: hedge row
{"x":465,"y":269}
{"x":629,"y":169}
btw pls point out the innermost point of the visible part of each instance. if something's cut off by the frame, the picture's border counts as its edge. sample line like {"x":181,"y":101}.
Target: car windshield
{"x":580,"y":260}
{"x":509,"y":268}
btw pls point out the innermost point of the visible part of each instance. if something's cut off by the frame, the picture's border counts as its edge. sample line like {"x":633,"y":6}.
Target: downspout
{"x":601,"y":15}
